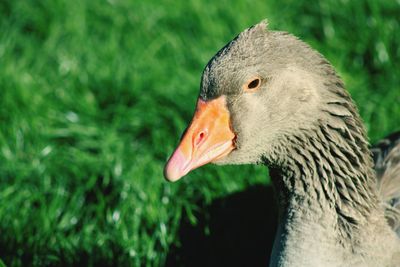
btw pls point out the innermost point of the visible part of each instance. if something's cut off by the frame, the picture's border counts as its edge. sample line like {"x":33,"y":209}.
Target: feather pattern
{"x":386,"y":155}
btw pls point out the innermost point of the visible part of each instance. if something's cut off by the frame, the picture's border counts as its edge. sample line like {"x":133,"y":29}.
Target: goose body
{"x":268,"y":98}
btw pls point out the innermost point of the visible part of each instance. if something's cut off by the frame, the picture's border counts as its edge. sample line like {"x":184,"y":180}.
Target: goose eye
{"x":253,"y":84}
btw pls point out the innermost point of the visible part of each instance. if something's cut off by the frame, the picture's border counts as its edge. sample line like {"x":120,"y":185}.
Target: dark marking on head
{"x":209,"y":90}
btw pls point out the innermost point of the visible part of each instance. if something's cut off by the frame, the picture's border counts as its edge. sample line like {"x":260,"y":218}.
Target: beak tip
{"x":173,"y":170}
{"x":169,"y":175}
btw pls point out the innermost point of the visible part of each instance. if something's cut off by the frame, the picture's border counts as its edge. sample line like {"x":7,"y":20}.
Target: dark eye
{"x":253,"y":84}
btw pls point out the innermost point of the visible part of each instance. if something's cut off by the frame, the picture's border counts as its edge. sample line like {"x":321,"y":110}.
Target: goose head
{"x":261,"y":88}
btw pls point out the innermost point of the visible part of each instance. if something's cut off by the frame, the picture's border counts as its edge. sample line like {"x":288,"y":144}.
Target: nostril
{"x":200,"y":137}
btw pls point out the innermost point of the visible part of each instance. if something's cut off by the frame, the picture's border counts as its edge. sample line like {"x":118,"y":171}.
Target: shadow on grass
{"x":241,"y":232}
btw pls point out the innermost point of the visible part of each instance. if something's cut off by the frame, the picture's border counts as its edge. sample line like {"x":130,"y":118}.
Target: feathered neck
{"x":331,"y":170}
{"x":330,"y":164}
{"x":329,"y":208}
{"x":325,"y":185}
{"x":327,"y":196}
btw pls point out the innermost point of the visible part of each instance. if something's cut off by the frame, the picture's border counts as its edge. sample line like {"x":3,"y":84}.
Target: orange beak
{"x":208,"y":138}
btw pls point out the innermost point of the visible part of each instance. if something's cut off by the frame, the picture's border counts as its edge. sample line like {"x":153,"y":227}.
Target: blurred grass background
{"x":95,"y":94}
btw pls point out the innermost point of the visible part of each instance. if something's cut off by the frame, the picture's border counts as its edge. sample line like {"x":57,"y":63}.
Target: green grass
{"x":95,"y":94}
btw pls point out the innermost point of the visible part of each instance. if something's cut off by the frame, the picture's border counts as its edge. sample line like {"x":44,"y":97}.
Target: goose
{"x":269,"y":98}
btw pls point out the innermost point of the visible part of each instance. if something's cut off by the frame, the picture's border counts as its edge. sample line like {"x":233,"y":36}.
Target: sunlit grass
{"x":95,"y":94}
